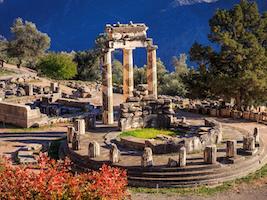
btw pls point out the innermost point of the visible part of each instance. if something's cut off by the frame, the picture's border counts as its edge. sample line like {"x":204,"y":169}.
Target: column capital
{"x":128,"y":48}
{"x":152,"y":47}
{"x":107,"y":50}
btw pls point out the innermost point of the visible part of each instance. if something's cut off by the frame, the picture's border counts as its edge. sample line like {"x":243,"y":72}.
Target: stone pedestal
{"x":70,"y":133}
{"x":257,"y":136}
{"x":152,"y":70}
{"x":114,"y":154}
{"x":79,"y":126}
{"x":210,"y":154}
{"x":128,"y":82}
{"x":231,"y":148}
{"x":29,"y":89}
{"x":76,"y":141}
{"x":248,"y":143}
{"x":53,"y":86}
{"x":182,"y":157}
{"x":147,"y":158}
{"x":93,"y":149}
{"x":183,"y":120}
{"x":107,"y":88}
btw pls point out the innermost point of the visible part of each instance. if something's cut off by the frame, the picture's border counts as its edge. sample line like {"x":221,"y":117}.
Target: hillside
{"x":73,"y":24}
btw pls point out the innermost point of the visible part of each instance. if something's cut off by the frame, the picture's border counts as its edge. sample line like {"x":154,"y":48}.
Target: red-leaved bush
{"x":53,"y":180}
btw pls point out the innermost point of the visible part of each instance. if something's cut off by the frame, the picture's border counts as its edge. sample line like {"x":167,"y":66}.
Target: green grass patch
{"x":5,"y":72}
{"x":148,"y":133}
{"x":54,"y":147}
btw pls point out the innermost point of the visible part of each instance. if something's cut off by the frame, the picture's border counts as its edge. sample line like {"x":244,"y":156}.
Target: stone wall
{"x":145,"y":111}
{"x":21,"y":115}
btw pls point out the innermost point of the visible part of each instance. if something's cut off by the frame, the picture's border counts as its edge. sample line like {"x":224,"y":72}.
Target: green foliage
{"x":140,"y":75}
{"x":26,"y":42}
{"x":88,"y":61}
{"x":5,"y":72}
{"x":148,"y":133}
{"x":54,"y":148}
{"x":239,"y":68}
{"x":59,"y":66}
{"x":117,"y":72}
{"x":172,"y":84}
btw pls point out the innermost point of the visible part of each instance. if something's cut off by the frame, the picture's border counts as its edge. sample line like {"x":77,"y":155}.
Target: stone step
{"x":177,"y":177}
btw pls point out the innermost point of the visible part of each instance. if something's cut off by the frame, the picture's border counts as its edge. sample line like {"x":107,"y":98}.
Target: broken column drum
{"x":147,"y":158}
{"x":231,"y":148}
{"x":210,"y":154}
{"x":126,"y":37}
{"x":114,"y":154}
{"x":93,"y":149}
{"x":248,"y":143}
{"x":182,"y":157}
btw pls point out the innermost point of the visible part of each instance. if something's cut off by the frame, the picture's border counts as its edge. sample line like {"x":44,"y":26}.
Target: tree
{"x":239,"y":68}
{"x":140,"y":75}
{"x":172,"y":84}
{"x":59,"y":66}
{"x":26,"y":41}
{"x":117,"y":72}
{"x":88,"y":61}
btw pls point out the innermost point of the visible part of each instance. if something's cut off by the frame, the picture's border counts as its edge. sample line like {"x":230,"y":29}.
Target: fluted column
{"x":152,"y":70}
{"x":128,"y":83}
{"x":107,"y":91}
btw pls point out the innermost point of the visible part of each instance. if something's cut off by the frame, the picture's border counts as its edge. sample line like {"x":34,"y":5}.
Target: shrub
{"x":54,"y":180}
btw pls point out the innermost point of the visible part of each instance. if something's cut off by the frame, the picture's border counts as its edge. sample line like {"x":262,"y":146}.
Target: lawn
{"x":148,"y":133}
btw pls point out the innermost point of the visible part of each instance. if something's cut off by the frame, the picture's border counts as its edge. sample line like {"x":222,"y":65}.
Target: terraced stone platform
{"x":196,"y":171}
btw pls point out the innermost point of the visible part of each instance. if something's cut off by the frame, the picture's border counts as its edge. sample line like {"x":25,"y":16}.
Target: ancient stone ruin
{"x":145,"y":111}
{"x":126,"y":37}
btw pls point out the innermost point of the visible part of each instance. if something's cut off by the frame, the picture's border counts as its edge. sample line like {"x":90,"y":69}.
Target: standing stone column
{"x":147,"y":158}
{"x":248,"y":143}
{"x":107,"y":89}
{"x":79,"y":126}
{"x":182,"y":157}
{"x":210,"y":154}
{"x":231,"y":148}
{"x":152,"y":70}
{"x":114,"y":154}
{"x":128,"y":82}
{"x":59,"y":91}
{"x":70,"y":133}
{"x":93,"y":149}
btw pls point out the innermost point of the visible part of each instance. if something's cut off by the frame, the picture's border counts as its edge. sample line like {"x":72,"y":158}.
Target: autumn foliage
{"x":53,"y":180}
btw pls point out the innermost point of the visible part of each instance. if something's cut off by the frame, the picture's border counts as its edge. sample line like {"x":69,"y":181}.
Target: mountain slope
{"x":73,"y":24}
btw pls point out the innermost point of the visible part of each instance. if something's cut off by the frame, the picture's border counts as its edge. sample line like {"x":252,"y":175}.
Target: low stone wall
{"x":21,"y":115}
{"x":73,"y":103}
{"x":24,"y":99}
{"x":197,"y":142}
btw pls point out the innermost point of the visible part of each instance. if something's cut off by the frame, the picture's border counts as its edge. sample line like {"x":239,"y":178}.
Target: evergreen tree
{"x":239,"y":68}
{"x":117,"y":72}
{"x":88,"y":61}
{"x":27,"y":43}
